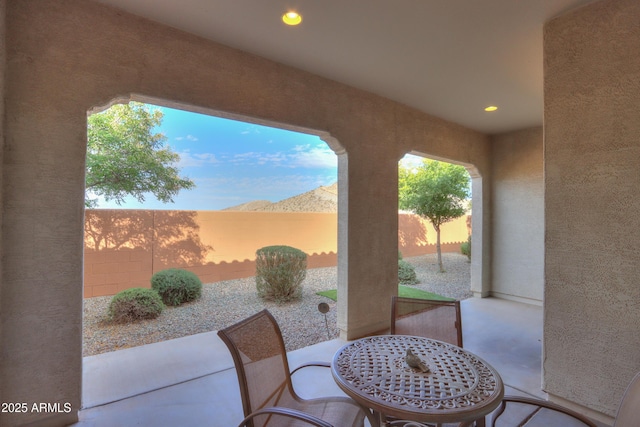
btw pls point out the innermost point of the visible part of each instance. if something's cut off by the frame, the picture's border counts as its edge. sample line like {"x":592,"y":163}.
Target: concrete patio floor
{"x":191,"y":380}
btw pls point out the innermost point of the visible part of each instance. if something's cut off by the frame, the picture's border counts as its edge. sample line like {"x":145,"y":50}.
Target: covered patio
{"x":555,"y":191}
{"x":191,"y":380}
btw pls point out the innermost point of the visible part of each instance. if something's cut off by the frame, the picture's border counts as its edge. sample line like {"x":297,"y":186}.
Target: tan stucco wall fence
{"x":123,"y":248}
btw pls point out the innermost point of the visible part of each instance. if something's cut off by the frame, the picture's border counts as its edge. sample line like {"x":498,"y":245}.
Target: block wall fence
{"x":124,"y":248}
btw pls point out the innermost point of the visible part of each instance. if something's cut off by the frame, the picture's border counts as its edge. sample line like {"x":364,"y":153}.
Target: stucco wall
{"x":592,"y":176}
{"x":123,"y":248}
{"x":518,"y":216}
{"x":68,"y":56}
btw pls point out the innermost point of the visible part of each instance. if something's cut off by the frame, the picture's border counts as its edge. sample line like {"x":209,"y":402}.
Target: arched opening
{"x":192,"y":247}
{"x":417,"y":237}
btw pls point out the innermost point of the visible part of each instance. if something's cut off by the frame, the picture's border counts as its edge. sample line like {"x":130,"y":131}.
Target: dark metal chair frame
{"x":537,"y":406}
{"x":428,"y":304}
{"x":627,"y":416}
{"x":278,"y":412}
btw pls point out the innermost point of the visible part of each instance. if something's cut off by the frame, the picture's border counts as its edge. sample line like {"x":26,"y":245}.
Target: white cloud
{"x":187,"y":159}
{"x":253,"y":158}
{"x":411,"y":161}
{"x":188,"y":138}
{"x":251,"y":129}
{"x":303,"y":156}
{"x":274,"y":188}
{"x":312,"y":158}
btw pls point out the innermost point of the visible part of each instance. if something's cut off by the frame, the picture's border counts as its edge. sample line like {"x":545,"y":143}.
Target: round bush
{"x":280,"y":271}
{"x":406,"y":273}
{"x":176,"y":286}
{"x":135,"y":304}
{"x":465,"y":248}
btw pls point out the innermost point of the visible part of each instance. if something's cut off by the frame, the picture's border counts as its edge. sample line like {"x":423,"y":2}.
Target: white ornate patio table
{"x":460,"y":387}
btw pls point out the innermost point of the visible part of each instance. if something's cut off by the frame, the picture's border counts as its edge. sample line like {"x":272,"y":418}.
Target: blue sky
{"x":235,"y":162}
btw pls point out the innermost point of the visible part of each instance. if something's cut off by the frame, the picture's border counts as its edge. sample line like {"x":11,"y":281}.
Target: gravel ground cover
{"x":224,"y":303}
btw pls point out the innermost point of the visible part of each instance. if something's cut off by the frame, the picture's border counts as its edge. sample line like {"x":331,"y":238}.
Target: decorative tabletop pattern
{"x":459,"y":386}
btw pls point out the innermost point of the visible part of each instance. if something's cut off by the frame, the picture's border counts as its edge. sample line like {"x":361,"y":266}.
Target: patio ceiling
{"x":447,"y":58}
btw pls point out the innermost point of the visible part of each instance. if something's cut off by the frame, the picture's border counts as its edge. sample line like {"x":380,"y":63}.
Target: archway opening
{"x":435,"y":225}
{"x":259,"y":184}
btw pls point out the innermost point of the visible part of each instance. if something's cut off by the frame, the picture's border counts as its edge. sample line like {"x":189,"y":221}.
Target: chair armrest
{"x":540,"y":404}
{"x":308,"y":364}
{"x":286,"y":412}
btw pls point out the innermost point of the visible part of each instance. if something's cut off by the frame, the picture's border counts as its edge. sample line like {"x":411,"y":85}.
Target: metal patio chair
{"x":268,"y":397}
{"x":435,"y":319}
{"x":439,"y":320}
{"x":519,"y":411}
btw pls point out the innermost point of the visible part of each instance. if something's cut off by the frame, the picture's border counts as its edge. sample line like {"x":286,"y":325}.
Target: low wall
{"x":124,"y":248}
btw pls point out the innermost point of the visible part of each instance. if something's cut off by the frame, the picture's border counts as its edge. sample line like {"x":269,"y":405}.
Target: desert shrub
{"x":465,"y":248}
{"x":135,"y":304}
{"x":406,"y":273}
{"x":176,"y":286}
{"x":280,"y":271}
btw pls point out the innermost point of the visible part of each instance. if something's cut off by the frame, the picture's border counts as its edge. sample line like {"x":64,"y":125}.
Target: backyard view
{"x":227,"y":302}
{"x":181,"y":238}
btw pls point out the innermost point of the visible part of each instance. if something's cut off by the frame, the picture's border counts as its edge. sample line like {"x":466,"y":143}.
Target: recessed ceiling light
{"x":490,"y":108}
{"x":292,"y":18}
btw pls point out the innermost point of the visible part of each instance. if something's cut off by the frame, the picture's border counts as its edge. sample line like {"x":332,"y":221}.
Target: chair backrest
{"x":260,"y":359}
{"x":439,"y":320}
{"x":629,"y":410}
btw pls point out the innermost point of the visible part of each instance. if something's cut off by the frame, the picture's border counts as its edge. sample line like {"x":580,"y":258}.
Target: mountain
{"x":255,"y":205}
{"x":321,"y":199}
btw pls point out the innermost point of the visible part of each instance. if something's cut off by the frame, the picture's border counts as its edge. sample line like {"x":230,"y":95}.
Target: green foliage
{"x":465,"y":248}
{"x":135,"y":304}
{"x":403,"y":291}
{"x":125,"y":157}
{"x":280,"y":271}
{"x":176,"y":286}
{"x":406,"y":273}
{"x":436,"y":191}
{"x":399,"y":255}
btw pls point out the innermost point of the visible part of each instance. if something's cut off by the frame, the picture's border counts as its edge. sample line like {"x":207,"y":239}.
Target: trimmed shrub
{"x":406,"y":273}
{"x":176,"y":286}
{"x":280,"y":271}
{"x":135,"y":304}
{"x":465,"y":248}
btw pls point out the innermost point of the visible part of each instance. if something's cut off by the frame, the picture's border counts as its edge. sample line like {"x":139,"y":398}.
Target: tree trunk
{"x":438,"y":250}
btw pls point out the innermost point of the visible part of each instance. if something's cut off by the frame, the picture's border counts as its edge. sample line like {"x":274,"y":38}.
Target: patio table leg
{"x":480,"y":422}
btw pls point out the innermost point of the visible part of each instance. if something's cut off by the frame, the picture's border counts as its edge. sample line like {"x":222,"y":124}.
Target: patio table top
{"x":459,"y":387}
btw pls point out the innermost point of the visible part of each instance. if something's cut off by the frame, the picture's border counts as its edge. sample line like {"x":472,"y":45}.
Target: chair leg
{"x":480,"y":422}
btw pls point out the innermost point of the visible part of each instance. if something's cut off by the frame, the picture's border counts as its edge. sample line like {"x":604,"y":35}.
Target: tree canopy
{"x":437,"y":191}
{"x":125,"y":156}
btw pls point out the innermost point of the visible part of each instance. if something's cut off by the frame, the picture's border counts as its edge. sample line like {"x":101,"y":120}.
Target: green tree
{"x":125,"y":156}
{"x":436,"y":191}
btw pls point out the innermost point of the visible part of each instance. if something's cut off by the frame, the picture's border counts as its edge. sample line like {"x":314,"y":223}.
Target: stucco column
{"x":367,"y":241}
{"x":480,"y":240}
{"x":592,"y":226}
{"x":43,"y":187}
